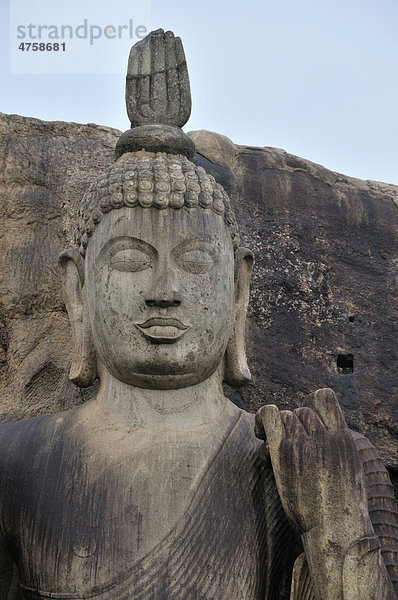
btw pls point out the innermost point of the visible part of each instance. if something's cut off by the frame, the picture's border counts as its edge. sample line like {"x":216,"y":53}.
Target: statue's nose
{"x":164,"y":302}
{"x":164,"y":293}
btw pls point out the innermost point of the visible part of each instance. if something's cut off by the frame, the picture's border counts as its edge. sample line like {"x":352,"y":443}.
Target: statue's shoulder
{"x":22,"y":441}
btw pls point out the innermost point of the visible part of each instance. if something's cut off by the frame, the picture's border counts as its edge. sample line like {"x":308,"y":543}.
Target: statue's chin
{"x":165,"y":381}
{"x":168,"y":369}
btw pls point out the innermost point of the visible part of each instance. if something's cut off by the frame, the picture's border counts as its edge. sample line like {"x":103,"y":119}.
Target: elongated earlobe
{"x":83,"y":371}
{"x":236,"y":372}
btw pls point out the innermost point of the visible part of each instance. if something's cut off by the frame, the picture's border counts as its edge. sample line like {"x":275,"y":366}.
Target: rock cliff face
{"x":45,"y":168}
{"x":324,"y":308}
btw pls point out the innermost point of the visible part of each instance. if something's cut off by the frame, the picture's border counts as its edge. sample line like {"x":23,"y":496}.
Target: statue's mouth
{"x":163,"y":330}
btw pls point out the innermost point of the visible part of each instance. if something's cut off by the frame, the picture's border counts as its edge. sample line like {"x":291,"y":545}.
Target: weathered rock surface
{"x":45,"y":168}
{"x":324,"y":309}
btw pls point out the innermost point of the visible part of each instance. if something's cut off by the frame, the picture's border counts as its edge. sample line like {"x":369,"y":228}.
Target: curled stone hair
{"x":153,"y":167}
{"x":152,"y":181}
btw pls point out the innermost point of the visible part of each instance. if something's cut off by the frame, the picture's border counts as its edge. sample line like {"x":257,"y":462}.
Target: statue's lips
{"x":162,"y":330}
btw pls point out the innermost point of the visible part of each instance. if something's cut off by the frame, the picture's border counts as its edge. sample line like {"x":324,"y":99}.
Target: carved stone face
{"x":159,"y":290}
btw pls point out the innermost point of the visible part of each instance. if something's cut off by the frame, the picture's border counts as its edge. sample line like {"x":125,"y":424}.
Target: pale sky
{"x":314,"y":77}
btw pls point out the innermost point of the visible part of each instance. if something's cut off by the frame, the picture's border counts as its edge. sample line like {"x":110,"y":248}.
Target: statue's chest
{"x":94,"y":522}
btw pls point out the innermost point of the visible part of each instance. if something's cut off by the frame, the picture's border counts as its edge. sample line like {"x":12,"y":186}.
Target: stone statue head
{"x":157,"y":287}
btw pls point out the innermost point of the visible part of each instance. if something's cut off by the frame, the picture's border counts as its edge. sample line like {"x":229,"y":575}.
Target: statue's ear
{"x":83,"y":370}
{"x":236,"y":371}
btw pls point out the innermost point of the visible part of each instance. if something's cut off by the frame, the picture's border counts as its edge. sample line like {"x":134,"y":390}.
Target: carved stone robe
{"x":83,"y":519}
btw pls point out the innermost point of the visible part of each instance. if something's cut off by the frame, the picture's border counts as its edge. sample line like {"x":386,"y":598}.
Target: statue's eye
{"x":131,"y":260}
{"x":195,"y":261}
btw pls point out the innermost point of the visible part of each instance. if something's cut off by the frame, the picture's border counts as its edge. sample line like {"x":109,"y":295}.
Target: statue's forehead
{"x":169,"y":225}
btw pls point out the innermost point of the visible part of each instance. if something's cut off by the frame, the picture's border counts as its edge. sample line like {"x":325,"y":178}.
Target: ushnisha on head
{"x":157,"y":288}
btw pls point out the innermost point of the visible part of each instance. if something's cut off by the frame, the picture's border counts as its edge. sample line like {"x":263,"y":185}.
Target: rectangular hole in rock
{"x":345,"y":363}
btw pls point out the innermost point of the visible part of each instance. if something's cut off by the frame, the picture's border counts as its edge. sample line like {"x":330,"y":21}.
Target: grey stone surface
{"x":325,"y":275}
{"x":156,"y":487}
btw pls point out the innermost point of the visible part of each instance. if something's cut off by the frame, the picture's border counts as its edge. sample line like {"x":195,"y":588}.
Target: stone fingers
{"x":300,"y":422}
{"x":131,"y":95}
{"x":310,"y":420}
{"x":158,"y":91}
{"x":137,"y":83}
{"x":325,"y":404}
{"x":269,"y":426}
{"x":185,"y":94}
{"x":293,"y":426}
{"x":173,"y":91}
{"x":144,"y":96}
{"x":321,"y":410}
{"x":159,"y":94}
{"x":184,"y":86}
{"x":276,"y":426}
{"x":286,"y":437}
{"x":172,"y":74}
{"x":158,"y":55}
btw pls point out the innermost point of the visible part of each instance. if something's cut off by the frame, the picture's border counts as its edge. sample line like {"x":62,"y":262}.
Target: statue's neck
{"x":183,"y":408}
